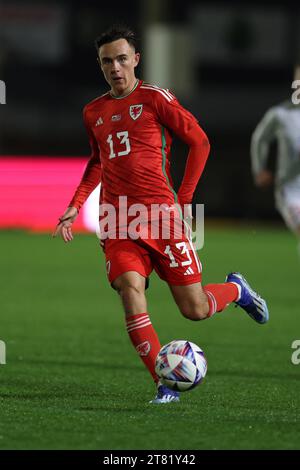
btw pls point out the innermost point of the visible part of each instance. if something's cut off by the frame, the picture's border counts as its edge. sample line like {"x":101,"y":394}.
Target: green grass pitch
{"x":73,"y":381}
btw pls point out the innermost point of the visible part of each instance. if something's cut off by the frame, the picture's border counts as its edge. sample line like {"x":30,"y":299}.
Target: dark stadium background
{"x":236,"y":69}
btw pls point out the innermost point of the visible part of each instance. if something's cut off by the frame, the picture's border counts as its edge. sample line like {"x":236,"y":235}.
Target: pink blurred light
{"x":34,"y":192}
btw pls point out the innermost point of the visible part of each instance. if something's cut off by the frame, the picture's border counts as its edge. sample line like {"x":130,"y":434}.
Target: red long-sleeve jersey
{"x":130,"y":138}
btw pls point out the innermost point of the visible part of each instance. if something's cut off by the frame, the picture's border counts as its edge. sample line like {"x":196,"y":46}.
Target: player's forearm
{"x":259,"y":154}
{"x":90,"y":180}
{"x":198,"y":153}
{"x":261,"y":139}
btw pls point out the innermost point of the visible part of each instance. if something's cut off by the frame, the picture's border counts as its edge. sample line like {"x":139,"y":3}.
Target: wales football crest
{"x":135,"y":111}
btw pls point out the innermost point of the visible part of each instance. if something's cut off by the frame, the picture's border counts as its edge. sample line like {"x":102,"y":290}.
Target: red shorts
{"x":175,"y":261}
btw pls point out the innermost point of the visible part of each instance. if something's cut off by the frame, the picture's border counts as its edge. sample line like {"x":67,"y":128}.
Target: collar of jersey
{"x":125,"y":96}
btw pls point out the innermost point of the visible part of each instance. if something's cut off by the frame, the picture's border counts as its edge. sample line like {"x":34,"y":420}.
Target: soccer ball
{"x":181,"y":365}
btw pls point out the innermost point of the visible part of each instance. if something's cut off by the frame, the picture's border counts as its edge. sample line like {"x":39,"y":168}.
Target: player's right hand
{"x":264,"y":178}
{"x":64,"y":226}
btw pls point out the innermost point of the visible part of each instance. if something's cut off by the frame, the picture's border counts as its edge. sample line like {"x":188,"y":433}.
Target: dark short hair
{"x":117,"y":32}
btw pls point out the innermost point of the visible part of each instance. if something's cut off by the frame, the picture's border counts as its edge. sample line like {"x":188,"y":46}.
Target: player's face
{"x":118,"y":60}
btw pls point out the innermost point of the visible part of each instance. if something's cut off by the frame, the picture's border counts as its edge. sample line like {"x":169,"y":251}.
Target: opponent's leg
{"x":288,"y":204}
{"x":298,"y":239}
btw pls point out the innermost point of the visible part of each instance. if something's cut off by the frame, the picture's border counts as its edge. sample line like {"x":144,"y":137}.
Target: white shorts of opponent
{"x":288,"y":203}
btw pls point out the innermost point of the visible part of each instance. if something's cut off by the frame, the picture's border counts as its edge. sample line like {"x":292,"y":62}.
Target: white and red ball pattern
{"x":181,"y":365}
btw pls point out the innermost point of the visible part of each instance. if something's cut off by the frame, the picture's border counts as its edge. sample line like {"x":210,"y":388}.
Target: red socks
{"x":144,"y":339}
{"x":220,"y":295}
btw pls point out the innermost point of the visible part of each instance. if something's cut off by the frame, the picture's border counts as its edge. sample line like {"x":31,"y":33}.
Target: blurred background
{"x":227,"y":62}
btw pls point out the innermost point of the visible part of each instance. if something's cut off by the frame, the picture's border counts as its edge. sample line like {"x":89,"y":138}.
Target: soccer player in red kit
{"x":130,"y":131}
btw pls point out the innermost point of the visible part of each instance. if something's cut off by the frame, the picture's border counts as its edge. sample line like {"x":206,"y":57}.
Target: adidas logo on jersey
{"x":188,"y":272}
{"x":99,"y":122}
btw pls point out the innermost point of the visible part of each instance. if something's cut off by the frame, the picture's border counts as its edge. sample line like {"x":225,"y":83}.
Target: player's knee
{"x":130,"y":289}
{"x":195,"y":312}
